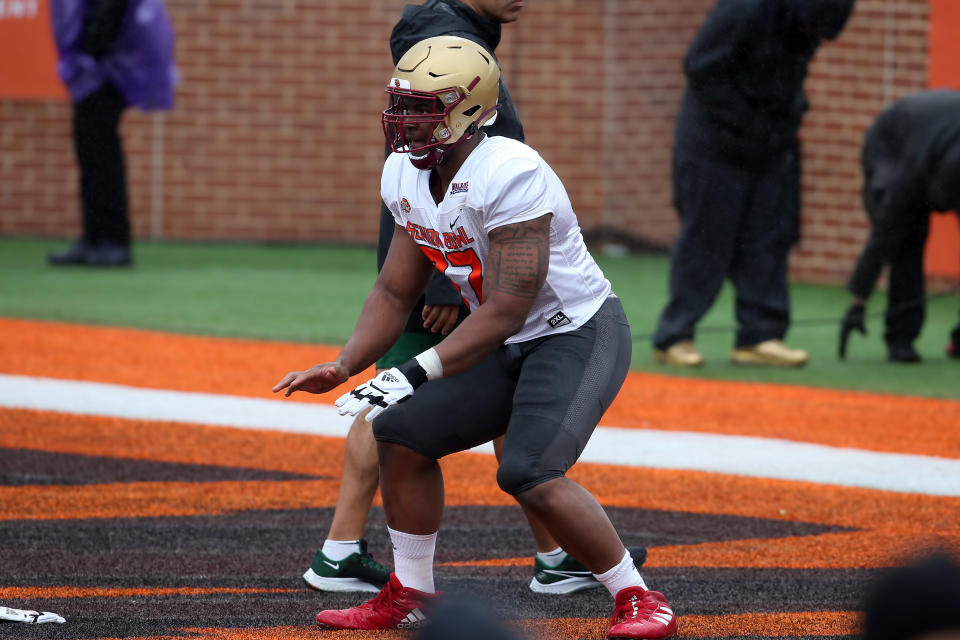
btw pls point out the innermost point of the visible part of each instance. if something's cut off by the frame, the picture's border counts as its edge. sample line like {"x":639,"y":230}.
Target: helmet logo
{"x":404,"y":205}
{"x":396,"y":83}
{"x":450,"y":97}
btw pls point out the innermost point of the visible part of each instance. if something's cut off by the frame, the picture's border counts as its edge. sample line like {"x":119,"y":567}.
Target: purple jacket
{"x":139,"y":63}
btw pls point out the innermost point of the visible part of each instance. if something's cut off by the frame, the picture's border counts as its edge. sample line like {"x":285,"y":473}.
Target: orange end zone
{"x":41,"y":593}
{"x":250,"y":368}
{"x":470,"y":478}
{"x":770,"y":625}
{"x":892,"y":523}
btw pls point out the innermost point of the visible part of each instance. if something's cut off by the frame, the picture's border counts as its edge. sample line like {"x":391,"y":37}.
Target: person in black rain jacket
{"x":911,"y":168}
{"x":736,"y":173}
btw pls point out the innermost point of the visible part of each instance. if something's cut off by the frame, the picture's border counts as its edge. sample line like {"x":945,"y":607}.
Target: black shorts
{"x":547,"y":395}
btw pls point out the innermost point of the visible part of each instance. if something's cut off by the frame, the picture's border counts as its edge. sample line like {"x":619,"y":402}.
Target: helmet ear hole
{"x":472,"y":110}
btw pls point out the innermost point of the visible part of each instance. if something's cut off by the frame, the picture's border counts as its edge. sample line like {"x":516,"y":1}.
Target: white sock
{"x":552,"y":558}
{"x":413,"y":559}
{"x":621,"y":576}
{"x":340,"y":549}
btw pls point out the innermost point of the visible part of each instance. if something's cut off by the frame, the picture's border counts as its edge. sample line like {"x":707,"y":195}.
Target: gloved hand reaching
{"x":385,"y":390}
{"x":853,"y":320}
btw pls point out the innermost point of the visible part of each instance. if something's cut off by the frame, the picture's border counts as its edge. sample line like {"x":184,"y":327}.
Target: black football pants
{"x":736,"y":223}
{"x":103,"y":181}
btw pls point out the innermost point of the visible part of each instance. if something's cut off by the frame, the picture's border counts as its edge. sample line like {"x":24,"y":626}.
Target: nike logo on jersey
{"x":454,"y":222}
{"x":335,"y":565}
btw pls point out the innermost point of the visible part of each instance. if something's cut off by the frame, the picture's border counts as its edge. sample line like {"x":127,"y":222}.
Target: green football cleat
{"x":570,"y":576}
{"x":356,"y":572}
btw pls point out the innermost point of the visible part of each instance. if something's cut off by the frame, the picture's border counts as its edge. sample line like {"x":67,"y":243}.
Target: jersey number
{"x":465,"y":258}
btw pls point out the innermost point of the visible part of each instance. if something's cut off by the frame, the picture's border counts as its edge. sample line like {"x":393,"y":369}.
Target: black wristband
{"x":415,"y":374}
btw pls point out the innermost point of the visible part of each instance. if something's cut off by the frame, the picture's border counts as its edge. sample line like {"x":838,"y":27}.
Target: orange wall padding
{"x":943,"y":246}
{"x":28,"y":66}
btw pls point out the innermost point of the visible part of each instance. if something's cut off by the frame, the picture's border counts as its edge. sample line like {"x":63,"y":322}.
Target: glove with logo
{"x":29,"y":616}
{"x":390,"y":387}
{"x":853,"y":320}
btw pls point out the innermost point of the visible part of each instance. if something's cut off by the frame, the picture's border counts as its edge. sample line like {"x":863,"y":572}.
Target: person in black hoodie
{"x":343,"y":563}
{"x":736,"y":173}
{"x":911,"y":163}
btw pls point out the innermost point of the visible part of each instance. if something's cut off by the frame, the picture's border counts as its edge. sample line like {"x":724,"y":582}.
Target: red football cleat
{"x":641,"y":614}
{"x":395,"y":607}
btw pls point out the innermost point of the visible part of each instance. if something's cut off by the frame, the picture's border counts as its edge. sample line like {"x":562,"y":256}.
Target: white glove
{"x":383,"y":391}
{"x":28,"y":616}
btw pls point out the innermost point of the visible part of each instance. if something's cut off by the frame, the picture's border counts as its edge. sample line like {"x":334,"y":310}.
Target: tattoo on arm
{"x":519,"y":257}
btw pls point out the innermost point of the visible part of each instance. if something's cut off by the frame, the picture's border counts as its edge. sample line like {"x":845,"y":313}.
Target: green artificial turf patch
{"x":314,"y":293}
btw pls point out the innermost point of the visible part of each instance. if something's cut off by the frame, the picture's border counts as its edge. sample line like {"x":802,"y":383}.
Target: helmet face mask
{"x":443,"y":89}
{"x":415,"y":109}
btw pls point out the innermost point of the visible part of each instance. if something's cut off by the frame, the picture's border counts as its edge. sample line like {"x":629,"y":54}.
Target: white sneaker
{"x":770,"y":352}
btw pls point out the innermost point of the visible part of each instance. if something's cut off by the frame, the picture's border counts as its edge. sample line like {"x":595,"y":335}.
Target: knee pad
{"x":397,"y":426}
{"x":388,"y":426}
{"x":516,"y":476}
{"x":513,"y":478}
{"x":540,"y":449}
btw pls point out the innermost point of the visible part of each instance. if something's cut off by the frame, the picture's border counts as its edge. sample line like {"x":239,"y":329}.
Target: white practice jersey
{"x":501,"y":182}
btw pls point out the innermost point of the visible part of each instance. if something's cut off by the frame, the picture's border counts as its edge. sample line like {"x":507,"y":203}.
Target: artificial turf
{"x":312,"y":293}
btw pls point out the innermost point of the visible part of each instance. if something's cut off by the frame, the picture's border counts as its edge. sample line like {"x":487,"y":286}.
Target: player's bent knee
{"x":515,"y":477}
{"x":391,"y":427}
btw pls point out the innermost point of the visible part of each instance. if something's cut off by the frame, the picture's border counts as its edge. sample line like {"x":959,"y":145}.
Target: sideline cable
{"x":814,"y":322}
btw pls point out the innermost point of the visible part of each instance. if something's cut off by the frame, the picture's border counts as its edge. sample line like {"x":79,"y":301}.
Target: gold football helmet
{"x":449,"y":82}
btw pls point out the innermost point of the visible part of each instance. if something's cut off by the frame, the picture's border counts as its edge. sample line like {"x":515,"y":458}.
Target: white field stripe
{"x":136,"y":403}
{"x":681,"y":450}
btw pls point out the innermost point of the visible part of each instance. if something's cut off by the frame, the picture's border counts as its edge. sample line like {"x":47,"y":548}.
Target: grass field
{"x":313,"y":294}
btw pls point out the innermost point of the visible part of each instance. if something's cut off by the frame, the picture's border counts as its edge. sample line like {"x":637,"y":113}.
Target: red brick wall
{"x":276,"y":136}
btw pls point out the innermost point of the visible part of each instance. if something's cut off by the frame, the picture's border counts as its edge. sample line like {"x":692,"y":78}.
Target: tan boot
{"x":682,"y":354}
{"x":770,"y":352}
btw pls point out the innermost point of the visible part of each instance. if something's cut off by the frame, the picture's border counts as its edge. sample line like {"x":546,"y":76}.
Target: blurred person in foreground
{"x":463,"y":617}
{"x":736,"y":176}
{"x":112,"y":54}
{"x":343,"y":562}
{"x":911,"y":169}
{"x":542,"y":354}
{"x":918,"y":601}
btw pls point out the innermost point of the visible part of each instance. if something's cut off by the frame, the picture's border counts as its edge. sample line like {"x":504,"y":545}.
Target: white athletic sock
{"x":340,"y":549}
{"x":552,"y":558}
{"x":413,"y":559}
{"x":621,"y":576}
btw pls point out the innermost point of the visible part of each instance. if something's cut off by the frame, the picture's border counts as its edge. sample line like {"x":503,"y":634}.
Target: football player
{"x":540,"y":357}
{"x":343,"y":562}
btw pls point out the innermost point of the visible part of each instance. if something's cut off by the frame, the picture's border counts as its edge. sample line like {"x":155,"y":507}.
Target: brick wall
{"x":276,"y":136}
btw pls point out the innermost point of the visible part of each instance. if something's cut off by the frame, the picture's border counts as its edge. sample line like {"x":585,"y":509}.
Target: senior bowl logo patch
{"x":459,"y":187}
{"x":404,"y":205}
